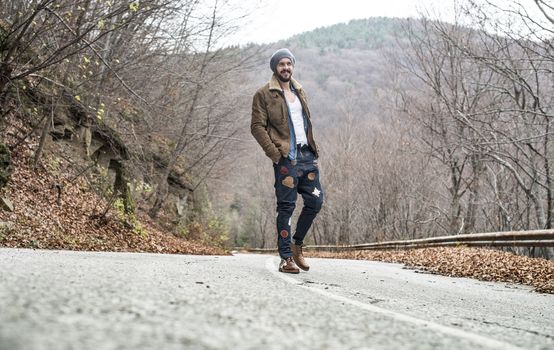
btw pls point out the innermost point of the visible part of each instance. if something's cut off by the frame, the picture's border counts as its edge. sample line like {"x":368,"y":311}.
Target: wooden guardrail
{"x":537,"y":238}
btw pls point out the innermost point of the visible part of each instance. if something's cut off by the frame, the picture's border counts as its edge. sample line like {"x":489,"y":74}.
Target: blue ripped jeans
{"x":292,"y":177}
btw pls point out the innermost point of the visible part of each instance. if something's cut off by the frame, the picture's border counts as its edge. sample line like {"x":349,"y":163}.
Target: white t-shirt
{"x":298,"y":121}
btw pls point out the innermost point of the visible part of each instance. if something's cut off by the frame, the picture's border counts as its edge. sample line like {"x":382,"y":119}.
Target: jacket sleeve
{"x":258,"y":127}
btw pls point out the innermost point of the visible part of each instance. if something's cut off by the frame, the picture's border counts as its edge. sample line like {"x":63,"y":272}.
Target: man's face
{"x":284,"y":70}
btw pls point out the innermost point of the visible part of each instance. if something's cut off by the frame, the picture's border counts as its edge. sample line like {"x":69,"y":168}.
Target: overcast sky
{"x":274,"y":20}
{"x":281,"y":19}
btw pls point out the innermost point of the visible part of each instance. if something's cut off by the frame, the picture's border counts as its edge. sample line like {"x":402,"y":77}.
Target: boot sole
{"x":286,"y":271}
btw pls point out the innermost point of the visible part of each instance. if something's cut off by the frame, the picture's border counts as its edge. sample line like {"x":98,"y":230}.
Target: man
{"x":281,"y":123}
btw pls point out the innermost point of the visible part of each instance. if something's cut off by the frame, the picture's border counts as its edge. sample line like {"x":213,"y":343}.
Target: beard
{"x":282,"y":78}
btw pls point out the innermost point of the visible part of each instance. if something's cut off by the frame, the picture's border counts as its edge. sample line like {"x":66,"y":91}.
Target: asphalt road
{"x":87,"y":300}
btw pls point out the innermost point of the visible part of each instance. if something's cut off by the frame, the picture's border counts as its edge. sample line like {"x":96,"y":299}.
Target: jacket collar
{"x":274,"y":84}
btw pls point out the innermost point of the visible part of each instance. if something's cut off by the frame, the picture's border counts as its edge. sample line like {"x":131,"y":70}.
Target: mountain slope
{"x":369,"y":34}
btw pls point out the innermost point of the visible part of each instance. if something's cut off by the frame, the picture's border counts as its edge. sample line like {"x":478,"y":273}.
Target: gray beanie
{"x":279,"y":55}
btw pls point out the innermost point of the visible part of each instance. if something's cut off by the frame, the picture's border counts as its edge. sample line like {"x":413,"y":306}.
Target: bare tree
{"x":202,"y":113}
{"x":455,"y":88}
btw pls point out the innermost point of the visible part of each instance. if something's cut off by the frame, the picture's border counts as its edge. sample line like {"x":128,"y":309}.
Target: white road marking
{"x":475,"y":338}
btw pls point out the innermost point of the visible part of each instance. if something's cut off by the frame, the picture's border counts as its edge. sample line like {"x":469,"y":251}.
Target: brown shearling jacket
{"x":270,"y":119}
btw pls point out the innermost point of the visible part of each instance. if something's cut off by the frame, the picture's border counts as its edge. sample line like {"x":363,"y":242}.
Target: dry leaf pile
{"x":482,"y":264}
{"x":42,"y":221}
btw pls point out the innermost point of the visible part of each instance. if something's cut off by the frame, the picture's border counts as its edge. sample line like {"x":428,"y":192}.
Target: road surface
{"x":91,"y":300}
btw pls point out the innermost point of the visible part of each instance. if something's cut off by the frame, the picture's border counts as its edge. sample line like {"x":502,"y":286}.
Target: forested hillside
{"x":426,"y":128}
{"x":366,"y":34}
{"x":128,"y":102}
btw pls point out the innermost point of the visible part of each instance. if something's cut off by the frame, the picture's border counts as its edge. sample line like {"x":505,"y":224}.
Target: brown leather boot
{"x":288,"y":266}
{"x":299,"y":258}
